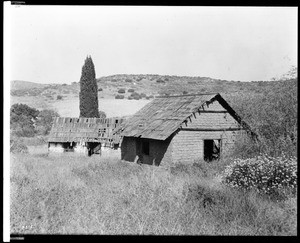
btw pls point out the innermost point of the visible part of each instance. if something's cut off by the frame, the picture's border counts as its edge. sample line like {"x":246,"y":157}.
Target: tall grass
{"x":79,"y":195}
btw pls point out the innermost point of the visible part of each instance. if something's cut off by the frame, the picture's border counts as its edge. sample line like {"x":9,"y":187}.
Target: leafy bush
{"x":272,"y":114}
{"x":100,"y":89}
{"x":22,"y":118}
{"x":59,"y":97}
{"x":129,"y":97}
{"x":45,"y":120}
{"x":184,"y":92}
{"x":121,"y":91}
{"x":102,"y":114}
{"x":267,"y":175}
{"x":143,"y":95}
{"x":18,"y":146}
{"x":130,"y":90}
{"x":135,"y":96}
{"x":128,"y":80}
{"x":119,"y":97}
{"x":160,"y":81}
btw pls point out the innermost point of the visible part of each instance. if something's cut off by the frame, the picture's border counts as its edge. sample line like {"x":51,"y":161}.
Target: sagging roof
{"x":165,"y":114}
{"x":70,"y":129}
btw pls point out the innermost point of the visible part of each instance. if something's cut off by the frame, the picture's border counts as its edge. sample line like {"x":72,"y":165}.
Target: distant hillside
{"x":147,"y":86}
{"x":19,"y":85}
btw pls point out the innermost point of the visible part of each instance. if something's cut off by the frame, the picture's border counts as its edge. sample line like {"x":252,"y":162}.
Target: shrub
{"x":121,"y":91}
{"x":184,"y":92}
{"x":266,"y":175}
{"x":59,"y":97}
{"x":22,"y":118}
{"x":129,"y":97}
{"x":160,"y":81}
{"x":136,"y":96}
{"x":102,"y":114}
{"x":130,"y":90}
{"x":45,"y":120}
{"x":100,"y":89}
{"x":128,"y":80}
{"x":119,"y":97}
{"x":17,"y":146}
{"x":143,"y":95}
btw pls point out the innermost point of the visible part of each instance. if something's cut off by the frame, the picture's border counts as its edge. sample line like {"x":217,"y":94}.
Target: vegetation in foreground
{"x":72,"y":195}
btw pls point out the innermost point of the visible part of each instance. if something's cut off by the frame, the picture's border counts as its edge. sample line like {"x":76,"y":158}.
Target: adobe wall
{"x":159,"y":151}
{"x":55,"y":147}
{"x":128,"y":149}
{"x":212,"y":120}
{"x":108,"y":152}
{"x":58,"y":148}
{"x":188,"y":146}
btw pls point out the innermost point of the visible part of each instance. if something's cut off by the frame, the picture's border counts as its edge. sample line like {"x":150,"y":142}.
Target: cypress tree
{"x":88,"y":95}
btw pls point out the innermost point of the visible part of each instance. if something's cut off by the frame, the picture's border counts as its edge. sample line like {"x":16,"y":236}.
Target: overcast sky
{"x":49,"y":43}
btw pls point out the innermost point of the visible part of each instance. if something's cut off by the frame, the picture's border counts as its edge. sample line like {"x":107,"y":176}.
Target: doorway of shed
{"x":68,"y":146}
{"x":212,"y":149}
{"x":93,"y":148}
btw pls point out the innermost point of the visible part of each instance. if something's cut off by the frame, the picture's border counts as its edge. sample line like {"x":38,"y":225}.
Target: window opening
{"x":212,"y":149}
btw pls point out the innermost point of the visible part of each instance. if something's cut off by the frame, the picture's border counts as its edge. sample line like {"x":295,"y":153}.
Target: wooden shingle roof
{"x":68,"y":129}
{"x":164,"y":115}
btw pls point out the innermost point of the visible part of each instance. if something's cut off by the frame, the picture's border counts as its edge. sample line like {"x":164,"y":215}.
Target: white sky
{"x":49,"y":43}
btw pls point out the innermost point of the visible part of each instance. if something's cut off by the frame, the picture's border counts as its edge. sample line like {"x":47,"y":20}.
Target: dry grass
{"x":80,"y":195}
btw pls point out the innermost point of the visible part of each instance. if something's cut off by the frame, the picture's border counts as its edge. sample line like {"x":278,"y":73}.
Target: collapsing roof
{"x":165,"y":114}
{"x":67,"y":129}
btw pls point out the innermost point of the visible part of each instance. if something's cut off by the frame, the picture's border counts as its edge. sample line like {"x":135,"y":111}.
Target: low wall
{"x":55,"y":147}
{"x":108,"y":152}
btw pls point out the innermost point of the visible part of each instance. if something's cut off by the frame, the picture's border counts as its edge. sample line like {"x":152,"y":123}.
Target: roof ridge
{"x":174,"y":96}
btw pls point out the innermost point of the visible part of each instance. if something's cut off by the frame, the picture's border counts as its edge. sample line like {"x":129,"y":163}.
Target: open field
{"x":69,"y":107}
{"x":92,"y":195}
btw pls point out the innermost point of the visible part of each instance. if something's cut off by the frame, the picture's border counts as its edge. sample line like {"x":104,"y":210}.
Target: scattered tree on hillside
{"x":291,"y":74}
{"x":88,"y":95}
{"x":22,"y":118}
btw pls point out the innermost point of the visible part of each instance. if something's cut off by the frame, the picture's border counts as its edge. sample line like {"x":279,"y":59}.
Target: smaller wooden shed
{"x":84,"y":135}
{"x":184,"y":128}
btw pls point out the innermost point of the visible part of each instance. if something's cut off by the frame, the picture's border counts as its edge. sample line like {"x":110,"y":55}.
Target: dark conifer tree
{"x":88,"y":96}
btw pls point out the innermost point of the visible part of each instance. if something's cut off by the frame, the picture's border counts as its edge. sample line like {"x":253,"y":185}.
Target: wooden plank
{"x":211,"y":129}
{"x":206,"y":111}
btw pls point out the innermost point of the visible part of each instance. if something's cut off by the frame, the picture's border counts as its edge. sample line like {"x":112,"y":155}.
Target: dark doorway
{"x":68,"y":146}
{"x":93,"y":148}
{"x":145,"y":147}
{"x":212,"y":149}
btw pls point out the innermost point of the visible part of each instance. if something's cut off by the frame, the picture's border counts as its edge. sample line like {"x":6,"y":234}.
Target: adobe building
{"x":184,"y":128}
